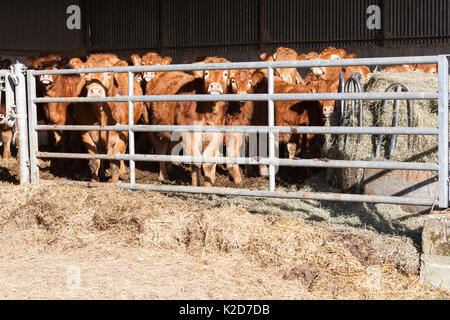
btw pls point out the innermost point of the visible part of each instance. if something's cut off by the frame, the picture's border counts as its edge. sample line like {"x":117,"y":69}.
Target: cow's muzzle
{"x":96,"y":91}
{"x":328,"y":111}
{"x":148,"y":76}
{"x":46,"y":79}
{"x":215,"y":88}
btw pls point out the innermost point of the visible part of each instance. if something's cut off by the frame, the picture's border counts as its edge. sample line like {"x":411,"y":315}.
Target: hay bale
{"x":425,"y":148}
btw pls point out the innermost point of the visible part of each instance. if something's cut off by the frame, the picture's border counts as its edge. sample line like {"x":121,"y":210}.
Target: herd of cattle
{"x":248,"y":113}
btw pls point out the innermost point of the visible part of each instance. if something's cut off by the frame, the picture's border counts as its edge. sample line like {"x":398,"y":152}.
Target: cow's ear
{"x":199,"y":73}
{"x":299,"y":80}
{"x":32,"y":62}
{"x":120,"y":63}
{"x":166,"y":60}
{"x":335,"y":57}
{"x":76,"y":63}
{"x":136,"y":59}
{"x":266,"y":57}
{"x":257,"y":78}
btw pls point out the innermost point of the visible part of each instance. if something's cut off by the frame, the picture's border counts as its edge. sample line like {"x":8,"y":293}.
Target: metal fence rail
{"x":442,"y":132}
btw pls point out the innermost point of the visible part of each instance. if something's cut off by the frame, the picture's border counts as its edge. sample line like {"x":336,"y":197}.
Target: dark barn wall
{"x":236,"y":29}
{"x":36,"y":26}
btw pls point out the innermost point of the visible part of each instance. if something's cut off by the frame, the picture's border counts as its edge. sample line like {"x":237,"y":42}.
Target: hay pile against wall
{"x":425,"y":115}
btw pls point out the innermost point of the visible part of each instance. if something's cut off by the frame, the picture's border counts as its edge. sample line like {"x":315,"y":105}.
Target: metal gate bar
{"x":270,"y":97}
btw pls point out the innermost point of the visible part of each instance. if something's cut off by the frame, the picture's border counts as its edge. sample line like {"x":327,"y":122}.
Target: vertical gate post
{"x":271,"y":113}
{"x":443,"y":131}
{"x":21,"y":104}
{"x":131,"y":145}
{"x":32,"y":122}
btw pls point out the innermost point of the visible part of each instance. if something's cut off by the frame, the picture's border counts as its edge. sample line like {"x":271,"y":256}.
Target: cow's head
{"x":244,"y":81}
{"x":52,"y":62}
{"x":289,"y":75}
{"x":98,"y":85}
{"x":150,"y":59}
{"x":215,"y":81}
{"x":327,"y":73}
{"x":326,"y":106}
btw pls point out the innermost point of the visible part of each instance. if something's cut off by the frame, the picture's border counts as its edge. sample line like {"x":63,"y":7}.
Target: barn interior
{"x":239,"y":30}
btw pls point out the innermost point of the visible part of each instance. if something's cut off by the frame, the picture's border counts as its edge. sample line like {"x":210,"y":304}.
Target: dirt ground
{"x":60,"y":242}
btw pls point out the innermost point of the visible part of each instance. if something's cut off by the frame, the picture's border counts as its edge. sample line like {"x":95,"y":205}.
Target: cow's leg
{"x":6,"y":140}
{"x":123,"y":168}
{"x":161,"y":145}
{"x":292,"y":148}
{"x":191,"y":147}
{"x":234,"y":144}
{"x":74,"y":146}
{"x":118,"y":145}
{"x":211,"y":150}
{"x":91,"y":146}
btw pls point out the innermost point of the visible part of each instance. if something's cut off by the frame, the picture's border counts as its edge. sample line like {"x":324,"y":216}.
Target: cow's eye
{"x":206,"y":73}
{"x":233,"y":81}
{"x":225,"y":74}
{"x":250,"y":82}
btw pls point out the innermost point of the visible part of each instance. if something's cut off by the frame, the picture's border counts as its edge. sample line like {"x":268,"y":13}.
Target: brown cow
{"x":106,"y":84}
{"x":244,"y":113}
{"x":426,"y":68}
{"x":6,"y":132}
{"x":402,"y":68}
{"x":150,"y":59}
{"x":190,"y":113}
{"x":298,"y":113}
{"x":161,"y":113}
{"x":205,"y":144}
{"x":289,"y":75}
{"x":53,"y":86}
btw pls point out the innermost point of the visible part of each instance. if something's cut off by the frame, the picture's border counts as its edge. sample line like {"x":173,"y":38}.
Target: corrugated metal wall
{"x":122,"y":24}
{"x":308,"y":24}
{"x":36,"y":26}
{"x":419,"y":22}
{"x":203,"y":23}
{"x":183,"y":27}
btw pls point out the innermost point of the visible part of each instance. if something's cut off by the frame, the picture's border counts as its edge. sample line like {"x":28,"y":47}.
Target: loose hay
{"x":425,"y":115}
{"x":329,"y":264}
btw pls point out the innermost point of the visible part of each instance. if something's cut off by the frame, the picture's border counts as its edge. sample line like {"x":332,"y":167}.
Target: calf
{"x":289,"y":75}
{"x":402,"y":68}
{"x":53,"y":86}
{"x":298,"y":113}
{"x":160,"y":113}
{"x":106,"y":84}
{"x":205,"y":144}
{"x":244,"y":113}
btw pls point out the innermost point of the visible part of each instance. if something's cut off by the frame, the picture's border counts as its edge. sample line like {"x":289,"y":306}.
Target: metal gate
{"x":271,"y":160}
{"x":12,"y":83}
